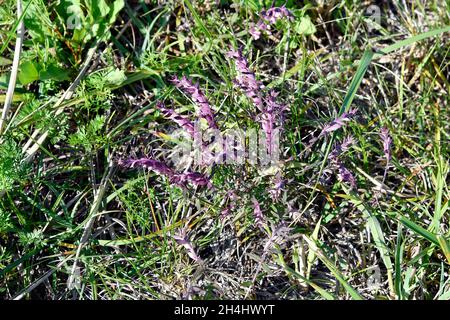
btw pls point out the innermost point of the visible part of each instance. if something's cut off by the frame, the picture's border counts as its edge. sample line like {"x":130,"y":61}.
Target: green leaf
{"x":356,"y":81}
{"x":311,"y":255}
{"x":419,"y":230}
{"x":53,"y":72}
{"x":115,"y":77}
{"x":444,"y":246}
{"x":5,"y":62}
{"x":305,"y":26}
{"x":197,"y":19}
{"x":403,"y":43}
{"x":97,"y":8}
{"x":29,"y":72}
{"x":313,"y":245}
{"x":321,"y":291}
{"x":115,"y":9}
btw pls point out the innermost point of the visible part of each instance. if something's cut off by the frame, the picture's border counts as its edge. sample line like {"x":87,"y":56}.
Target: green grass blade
{"x":409,"y":41}
{"x":311,"y":255}
{"x":445,"y":247}
{"x":419,"y":230}
{"x":356,"y":81}
{"x":378,"y":237}
{"x":325,"y":294}
{"x":399,"y":248}
{"x":330,"y":265}
{"x":197,"y":19}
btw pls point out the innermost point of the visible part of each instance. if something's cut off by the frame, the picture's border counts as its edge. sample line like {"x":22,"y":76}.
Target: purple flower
{"x":246,"y":79}
{"x":346,"y":175}
{"x":198,"y":97}
{"x":274,"y":14}
{"x":387,"y":142}
{"x":340,"y":148}
{"x":268,"y":17}
{"x":197,"y":179}
{"x":339,"y":122}
{"x":225,"y":212}
{"x":255,"y":30}
{"x":269,"y":116}
{"x":259,"y":217}
{"x":348,"y":141}
{"x":180,"y":179}
{"x":155,"y":165}
{"x":180,"y":238}
{"x":277,"y":187}
{"x":183,"y":122}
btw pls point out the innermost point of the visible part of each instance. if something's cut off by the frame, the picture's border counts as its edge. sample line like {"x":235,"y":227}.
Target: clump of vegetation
{"x":106,"y":187}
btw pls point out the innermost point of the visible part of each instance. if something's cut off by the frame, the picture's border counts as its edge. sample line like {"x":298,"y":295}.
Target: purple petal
{"x":387,"y":142}
{"x":183,"y":122}
{"x":155,"y":165}
{"x":338,"y":122}
{"x":197,"y":179}
{"x":181,"y":240}
{"x":259,"y":217}
{"x":346,"y":175}
{"x":246,"y":79}
{"x":198,"y":97}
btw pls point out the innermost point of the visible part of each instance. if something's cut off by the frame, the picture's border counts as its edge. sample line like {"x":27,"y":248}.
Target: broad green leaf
{"x":115,"y":9}
{"x":29,"y":72}
{"x":53,"y":72}
{"x":5,"y":61}
{"x":115,"y":77}
{"x":98,"y":9}
{"x":305,"y":26}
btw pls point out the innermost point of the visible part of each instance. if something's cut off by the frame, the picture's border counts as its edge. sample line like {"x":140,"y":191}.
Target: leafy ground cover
{"x":100,"y":98}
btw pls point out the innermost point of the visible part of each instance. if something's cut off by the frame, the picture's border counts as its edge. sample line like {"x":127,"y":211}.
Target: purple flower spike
{"x":387,"y":142}
{"x":338,"y":122}
{"x":348,"y":141}
{"x":341,"y":147}
{"x":259,"y":217}
{"x":198,"y":97}
{"x":277,"y":187}
{"x":269,"y":117}
{"x":183,"y":122}
{"x":268,"y":17}
{"x":181,"y":240}
{"x":246,"y":79}
{"x":197,"y":179}
{"x":274,"y":14}
{"x":255,"y":30}
{"x":346,"y":175}
{"x":155,"y":165}
{"x":180,"y":179}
